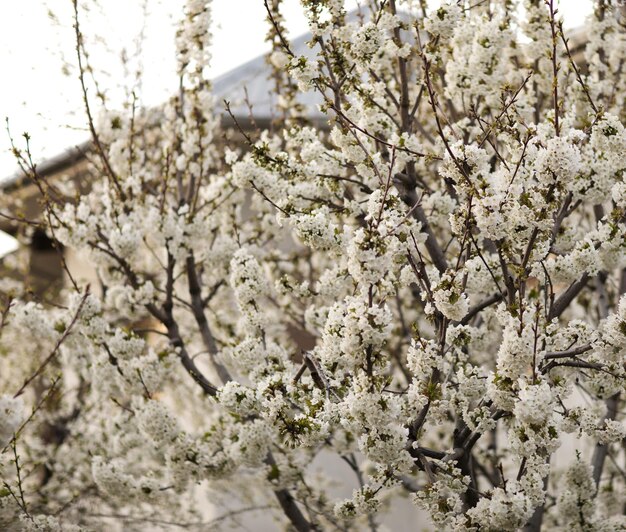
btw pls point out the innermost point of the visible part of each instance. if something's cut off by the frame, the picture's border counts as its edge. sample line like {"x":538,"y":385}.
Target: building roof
{"x":251,"y":78}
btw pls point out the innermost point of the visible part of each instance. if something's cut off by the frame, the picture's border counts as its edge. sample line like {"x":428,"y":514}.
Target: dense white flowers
{"x":315,"y":230}
{"x":503,"y":510}
{"x":450,"y":299}
{"x":427,"y":290}
{"x":249,"y":284}
{"x":304,"y":71}
{"x":157,"y":422}
{"x":442,"y":21}
{"x":11,"y":416}
{"x":478,"y":67}
{"x":559,"y":161}
{"x":575,"y":502}
{"x":535,"y":405}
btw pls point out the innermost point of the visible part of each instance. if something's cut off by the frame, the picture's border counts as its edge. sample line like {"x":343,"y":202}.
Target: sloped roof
{"x":57,"y":163}
{"x":253,"y":78}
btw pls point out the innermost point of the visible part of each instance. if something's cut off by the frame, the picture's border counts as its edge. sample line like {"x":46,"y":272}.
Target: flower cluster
{"x":425,"y":289}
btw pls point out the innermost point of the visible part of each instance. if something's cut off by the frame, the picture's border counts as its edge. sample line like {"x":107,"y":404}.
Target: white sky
{"x":39,"y":98}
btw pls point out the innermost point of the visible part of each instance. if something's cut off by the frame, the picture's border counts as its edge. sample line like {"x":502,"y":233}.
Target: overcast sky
{"x":41,"y":95}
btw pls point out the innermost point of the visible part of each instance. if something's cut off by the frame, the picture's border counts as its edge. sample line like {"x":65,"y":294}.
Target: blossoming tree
{"x":431,"y":288}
